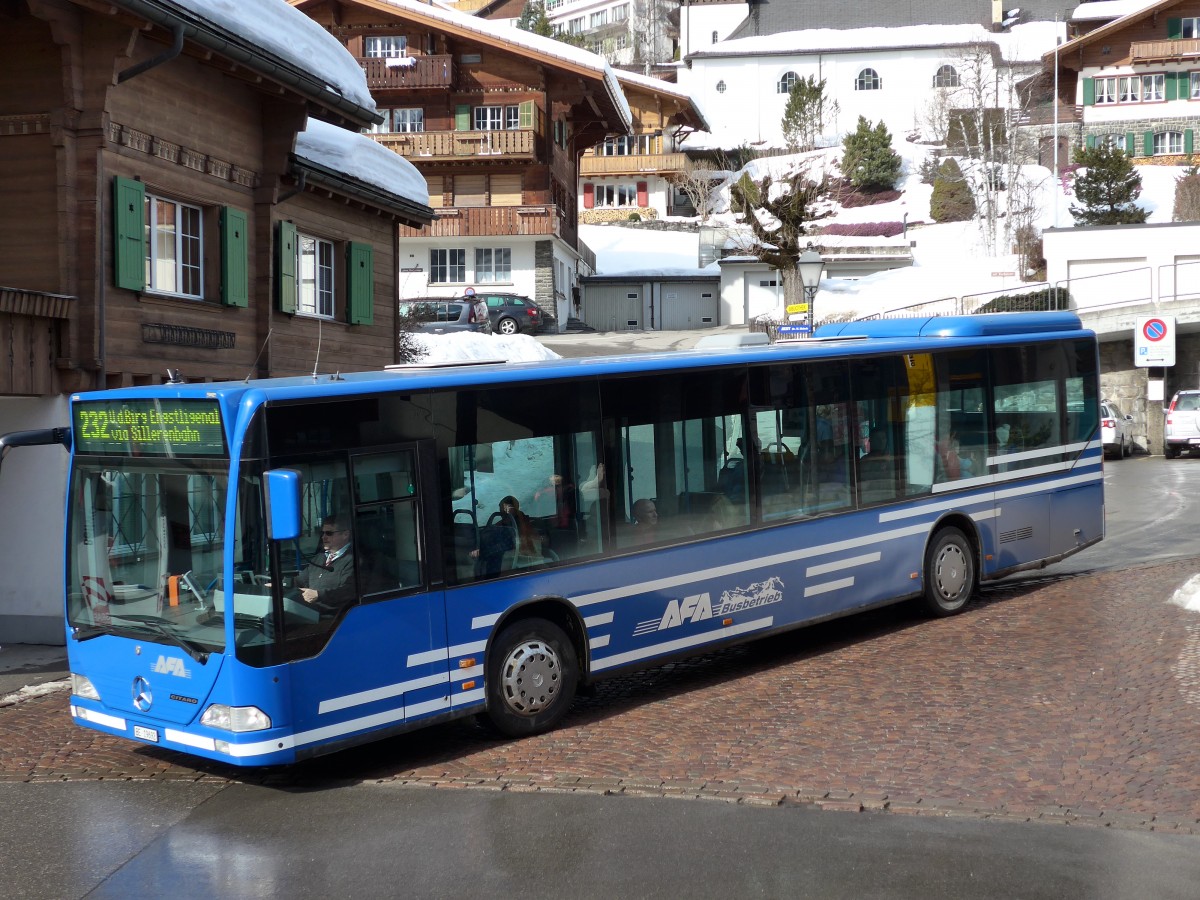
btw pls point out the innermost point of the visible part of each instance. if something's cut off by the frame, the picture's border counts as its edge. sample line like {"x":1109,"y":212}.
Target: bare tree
{"x":698,"y":182}
{"x":779,"y":217}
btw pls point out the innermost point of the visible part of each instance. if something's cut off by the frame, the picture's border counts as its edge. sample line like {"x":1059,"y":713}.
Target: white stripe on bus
{"x":381,"y":693}
{"x":836,"y":566}
{"x":684,"y":643}
{"x":814,"y":589}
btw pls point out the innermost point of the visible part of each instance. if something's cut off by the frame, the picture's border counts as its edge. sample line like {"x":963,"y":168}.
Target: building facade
{"x":495,"y":119}
{"x":163,"y":212}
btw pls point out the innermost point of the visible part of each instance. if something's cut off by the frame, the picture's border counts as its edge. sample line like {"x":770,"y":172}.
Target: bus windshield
{"x":147,"y":539}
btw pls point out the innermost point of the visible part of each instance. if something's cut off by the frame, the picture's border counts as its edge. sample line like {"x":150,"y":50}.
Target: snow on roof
{"x":1108,"y":9}
{"x":669,"y":88}
{"x":360,"y":157}
{"x":543,"y":46}
{"x":1022,"y":42}
{"x":290,"y":35}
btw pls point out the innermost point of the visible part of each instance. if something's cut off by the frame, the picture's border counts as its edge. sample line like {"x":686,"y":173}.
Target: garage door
{"x":613,"y":307}
{"x":1109,"y":282}
{"x":687,"y":306}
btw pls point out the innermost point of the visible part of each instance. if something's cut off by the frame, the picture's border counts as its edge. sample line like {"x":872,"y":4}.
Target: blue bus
{"x":259,"y":572}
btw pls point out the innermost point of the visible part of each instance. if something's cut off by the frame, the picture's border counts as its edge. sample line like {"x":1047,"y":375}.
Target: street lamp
{"x":810,"y":267}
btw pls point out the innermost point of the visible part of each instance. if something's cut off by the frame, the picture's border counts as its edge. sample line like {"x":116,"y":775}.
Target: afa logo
{"x":698,"y":607}
{"x":168,"y":665}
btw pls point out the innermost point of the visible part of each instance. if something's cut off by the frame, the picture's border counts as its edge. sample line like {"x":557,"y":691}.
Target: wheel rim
{"x":951,"y":573}
{"x":508,"y":326}
{"x":531,"y":678}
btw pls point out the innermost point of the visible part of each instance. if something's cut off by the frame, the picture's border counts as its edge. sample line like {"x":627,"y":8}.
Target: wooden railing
{"x":661,"y":163}
{"x":443,"y":145}
{"x":408,"y":72}
{"x":1147,"y":50}
{"x":499,"y":221}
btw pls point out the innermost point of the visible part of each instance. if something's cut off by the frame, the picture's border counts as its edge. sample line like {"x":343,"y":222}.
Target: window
{"x":497,"y":118}
{"x":1191,"y":28}
{"x":390,"y":47}
{"x":868,"y":80}
{"x":447,"y":266}
{"x":1106,"y":90}
{"x":1168,"y":142}
{"x":784,"y":85}
{"x":400,"y":120}
{"x":945,"y":77}
{"x":314,"y":276}
{"x":616,"y":195}
{"x":620,"y":13}
{"x":492,"y":266}
{"x":174,"y":241}
{"x":1139,"y":88}
{"x":599,"y":19}
{"x":720,"y":87}
{"x":1116,"y":141}
{"x":621,"y":41}
{"x":576,"y":26}
{"x":715,"y":37}
{"x":1195,"y":92}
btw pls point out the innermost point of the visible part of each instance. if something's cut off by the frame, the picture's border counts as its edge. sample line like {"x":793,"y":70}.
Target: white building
{"x":907,"y":77}
{"x":627,"y":33}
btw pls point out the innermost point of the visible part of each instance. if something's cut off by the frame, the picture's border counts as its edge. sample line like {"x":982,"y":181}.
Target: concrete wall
{"x":32,"y":499}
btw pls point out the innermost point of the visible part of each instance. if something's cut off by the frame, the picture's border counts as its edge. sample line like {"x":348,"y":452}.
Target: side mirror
{"x":283,"y":504}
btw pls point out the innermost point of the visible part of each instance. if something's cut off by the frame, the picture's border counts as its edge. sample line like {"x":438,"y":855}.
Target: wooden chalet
{"x":1131,"y":80}
{"x":156,"y":213}
{"x":496,"y":120}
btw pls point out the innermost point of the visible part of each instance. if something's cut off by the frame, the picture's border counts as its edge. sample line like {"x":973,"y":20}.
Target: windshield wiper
{"x":162,"y":627}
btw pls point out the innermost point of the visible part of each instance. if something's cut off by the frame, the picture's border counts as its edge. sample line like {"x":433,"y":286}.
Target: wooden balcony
{"x":408,"y":72}
{"x":497,"y":221}
{"x":1152,"y":51}
{"x":442,"y":146}
{"x":648,"y":164}
{"x":1043,"y":114}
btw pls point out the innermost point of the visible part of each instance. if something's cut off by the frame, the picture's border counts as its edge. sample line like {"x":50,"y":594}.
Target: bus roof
{"x":841,"y":340}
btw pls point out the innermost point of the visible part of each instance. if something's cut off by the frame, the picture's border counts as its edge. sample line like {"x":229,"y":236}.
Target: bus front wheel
{"x":531,"y":677}
{"x":950,"y":576}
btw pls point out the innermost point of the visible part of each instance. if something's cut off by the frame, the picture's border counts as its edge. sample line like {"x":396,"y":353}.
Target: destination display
{"x":149,"y":427}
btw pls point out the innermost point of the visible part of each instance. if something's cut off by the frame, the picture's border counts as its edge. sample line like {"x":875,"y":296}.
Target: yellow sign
{"x":798,"y":308}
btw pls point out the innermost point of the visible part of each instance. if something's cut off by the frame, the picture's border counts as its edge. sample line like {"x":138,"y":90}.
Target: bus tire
{"x":950,"y":572}
{"x":532,"y":672}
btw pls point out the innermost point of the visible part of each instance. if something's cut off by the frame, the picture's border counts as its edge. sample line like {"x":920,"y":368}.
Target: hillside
{"x":949,"y":259}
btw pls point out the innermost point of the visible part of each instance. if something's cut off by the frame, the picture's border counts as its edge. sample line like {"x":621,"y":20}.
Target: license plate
{"x":1194,"y":441}
{"x":145,"y":734}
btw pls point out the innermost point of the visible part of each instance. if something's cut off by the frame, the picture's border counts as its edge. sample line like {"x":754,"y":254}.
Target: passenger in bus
{"x":645,"y":521}
{"x":329,"y":579}
{"x":562,"y":493}
{"x":508,"y":531}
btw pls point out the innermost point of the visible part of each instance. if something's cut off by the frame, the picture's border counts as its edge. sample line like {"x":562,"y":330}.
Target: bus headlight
{"x":81,"y":686}
{"x":235,"y":718}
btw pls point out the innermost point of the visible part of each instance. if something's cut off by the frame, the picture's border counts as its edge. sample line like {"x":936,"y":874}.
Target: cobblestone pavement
{"x":1070,"y":699}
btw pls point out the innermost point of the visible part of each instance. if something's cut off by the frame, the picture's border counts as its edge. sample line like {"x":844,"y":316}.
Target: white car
{"x":1116,"y":431}
{"x":1181,"y":431}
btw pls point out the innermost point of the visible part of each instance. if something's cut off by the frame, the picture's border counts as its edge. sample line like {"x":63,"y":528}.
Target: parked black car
{"x":440,"y":315}
{"x":516,"y":314}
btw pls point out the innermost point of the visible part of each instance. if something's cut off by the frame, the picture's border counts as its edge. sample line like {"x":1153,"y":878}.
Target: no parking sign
{"x":1154,"y":341}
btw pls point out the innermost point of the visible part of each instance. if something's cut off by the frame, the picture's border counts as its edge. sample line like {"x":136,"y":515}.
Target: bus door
{"x":374,"y":653}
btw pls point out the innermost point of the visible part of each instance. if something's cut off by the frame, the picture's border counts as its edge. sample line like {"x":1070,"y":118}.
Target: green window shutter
{"x":1148,"y":143}
{"x":129,"y":234}
{"x":1089,"y":92}
{"x":525,"y":114}
{"x":462,"y":117}
{"x":360,"y":284}
{"x":1130,"y":144}
{"x":1091,"y":142}
{"x":285,"y":258}
{"x":1187,"y":141}
{"x":1170,"y":92}
{"x":235,"y":258}
{"x":1174,"y":28}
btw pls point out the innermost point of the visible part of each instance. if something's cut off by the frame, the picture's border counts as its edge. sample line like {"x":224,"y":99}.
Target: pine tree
{"x":1187,"y":196}
{"x":1107,"y":189}
{"x":804,"y":115}
{"x":951,"y":200}
{"x":533,"y":19}
{"x":868,"y":160}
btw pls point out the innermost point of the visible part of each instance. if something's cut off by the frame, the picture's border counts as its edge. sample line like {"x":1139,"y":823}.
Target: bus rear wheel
{"x":950,"y":575}
{"x":531,"y":677}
